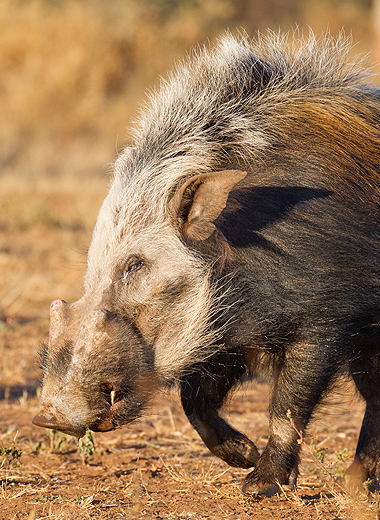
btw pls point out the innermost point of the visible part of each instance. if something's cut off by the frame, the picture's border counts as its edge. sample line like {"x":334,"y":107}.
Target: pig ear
{"x":200,"y":201}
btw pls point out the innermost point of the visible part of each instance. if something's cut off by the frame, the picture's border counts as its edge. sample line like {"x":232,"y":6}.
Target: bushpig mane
{"x":228,"y":104}
{"x":238,"y":104}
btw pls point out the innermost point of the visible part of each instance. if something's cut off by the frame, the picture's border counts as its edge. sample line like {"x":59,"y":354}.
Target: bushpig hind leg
{"x":202,"y":394}
{"x":366,"y":374}
{"x":306,"y":373}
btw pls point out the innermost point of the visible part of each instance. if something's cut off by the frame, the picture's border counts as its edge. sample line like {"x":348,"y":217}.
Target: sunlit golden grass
{"x":46,"y":230}
{"x":64,"y":85}
{"x":72,"y":72}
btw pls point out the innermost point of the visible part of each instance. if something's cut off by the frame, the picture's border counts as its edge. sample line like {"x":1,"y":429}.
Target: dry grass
{"x":160,"y":468}
{"x":73,"y":72}
{"x":45,"y":235}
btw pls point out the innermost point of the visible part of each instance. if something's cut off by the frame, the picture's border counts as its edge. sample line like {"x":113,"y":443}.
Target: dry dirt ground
{"x":157,"y":468}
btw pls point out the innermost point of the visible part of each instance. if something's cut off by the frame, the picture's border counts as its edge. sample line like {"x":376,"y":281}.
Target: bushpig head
{"x":146,"y":313}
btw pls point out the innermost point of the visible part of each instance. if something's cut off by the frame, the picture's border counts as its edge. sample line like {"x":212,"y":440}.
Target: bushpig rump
{"x":240,"y":236}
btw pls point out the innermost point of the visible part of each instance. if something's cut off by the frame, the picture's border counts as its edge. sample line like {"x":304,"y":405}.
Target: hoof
{"x":293,"y":479}
{"x":253,"y":486}
{"x":260,"y":490}
{"x":356,"y":478}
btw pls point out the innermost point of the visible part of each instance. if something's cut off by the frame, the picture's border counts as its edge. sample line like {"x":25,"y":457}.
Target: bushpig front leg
{"x":303,"y":379}
{"x":202,"y":395}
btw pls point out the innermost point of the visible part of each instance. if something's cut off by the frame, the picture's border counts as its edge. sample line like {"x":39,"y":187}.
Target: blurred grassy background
{"x":72,"y":73}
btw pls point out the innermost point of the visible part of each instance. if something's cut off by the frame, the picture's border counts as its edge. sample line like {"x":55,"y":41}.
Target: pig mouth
{"x":123,"y":405}
{"x":107,"y":421}
{"x":104,"y":425}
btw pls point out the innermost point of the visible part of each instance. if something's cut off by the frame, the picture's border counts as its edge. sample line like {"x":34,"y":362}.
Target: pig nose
{"x":56,"y":421}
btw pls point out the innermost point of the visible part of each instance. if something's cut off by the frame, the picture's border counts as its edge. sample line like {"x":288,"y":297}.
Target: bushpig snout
{"x":50,"y":418}
{"x":63,"y":396}
{"x":97,"y":370}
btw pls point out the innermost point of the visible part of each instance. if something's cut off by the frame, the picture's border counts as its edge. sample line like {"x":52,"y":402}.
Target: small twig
{"x":302,"y":442}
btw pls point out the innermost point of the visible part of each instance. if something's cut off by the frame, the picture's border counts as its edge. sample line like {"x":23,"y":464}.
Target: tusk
{"x":112,"y":397}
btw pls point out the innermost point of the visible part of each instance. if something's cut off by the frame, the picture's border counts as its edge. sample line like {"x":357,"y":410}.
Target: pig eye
{"x":135,"y":265}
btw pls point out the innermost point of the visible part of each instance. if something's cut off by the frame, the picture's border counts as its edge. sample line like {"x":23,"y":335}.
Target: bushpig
{"x":240,"y":237}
